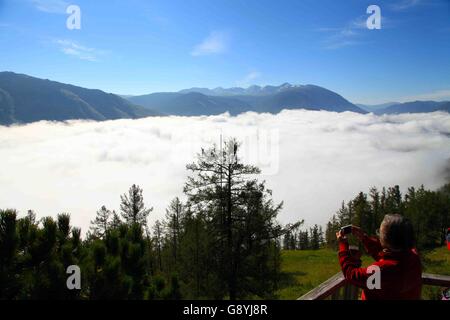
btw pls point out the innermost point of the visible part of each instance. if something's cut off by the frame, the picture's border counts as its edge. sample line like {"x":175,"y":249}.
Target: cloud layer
{"x":311,"y":159}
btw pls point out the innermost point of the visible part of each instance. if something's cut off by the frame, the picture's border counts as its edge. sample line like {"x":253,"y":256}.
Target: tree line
{"x":222,"y":242}
{"x":299,"y":239}
{"x":427,"y":210}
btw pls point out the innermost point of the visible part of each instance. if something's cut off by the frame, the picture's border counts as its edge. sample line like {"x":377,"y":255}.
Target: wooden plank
{"x":325,"y":289}
{"x":435,"y":280}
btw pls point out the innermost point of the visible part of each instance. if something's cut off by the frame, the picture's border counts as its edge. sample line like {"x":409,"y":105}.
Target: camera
{"x":347,"y":229}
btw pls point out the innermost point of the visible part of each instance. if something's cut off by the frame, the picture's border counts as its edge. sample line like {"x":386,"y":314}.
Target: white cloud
{"x":404,"y":4}
{"x":74,"y":49}
{"x":439,"y":95}
{"x":249,"y":79}
{"x":345,"y":36}
{"x":324,"y":158}
{"x":352,"y":33}
{"x":51,"y":6}
{"x":215,"y":43}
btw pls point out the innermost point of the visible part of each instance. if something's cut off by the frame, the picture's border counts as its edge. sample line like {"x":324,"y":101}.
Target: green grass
{"x":304,"y":270}
{"x":437,"y":262}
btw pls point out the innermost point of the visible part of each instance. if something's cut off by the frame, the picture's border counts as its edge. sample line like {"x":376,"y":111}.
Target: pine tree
{"x":115,"y":221}
{"x":375,"y":208}
{"x":287,"y":241}
{"x":100,"y":225}
{"x":158,"y":241}
{"x":173,"y":226}
{"x":132,"y":207}
{"x":9,"y":242}
{"x":314,"y":237}
{"x":321,"y":237}
{"x":225,"y":189}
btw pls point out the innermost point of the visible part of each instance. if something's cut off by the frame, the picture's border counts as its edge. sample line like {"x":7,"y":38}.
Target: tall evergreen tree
{"x":226,"y":190}
{"x":173,"y":225}
{"x":133,"y":208}
{"x":158,"y":241}
{"x":99,"y":226}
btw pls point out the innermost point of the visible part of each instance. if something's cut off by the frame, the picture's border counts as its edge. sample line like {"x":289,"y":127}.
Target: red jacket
{"x":448,"y":238}
{"x":401,"y":272}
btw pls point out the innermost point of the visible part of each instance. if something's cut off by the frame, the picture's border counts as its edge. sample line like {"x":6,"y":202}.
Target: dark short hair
{"x":397,"y":232}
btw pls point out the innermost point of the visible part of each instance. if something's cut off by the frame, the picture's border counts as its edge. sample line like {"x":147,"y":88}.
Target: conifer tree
{"x":132,"y":207}
{"x":99,"y":226}
{"x":227,"y":191}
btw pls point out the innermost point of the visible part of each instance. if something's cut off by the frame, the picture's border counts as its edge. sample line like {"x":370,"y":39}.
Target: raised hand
{"x":340,"y":235}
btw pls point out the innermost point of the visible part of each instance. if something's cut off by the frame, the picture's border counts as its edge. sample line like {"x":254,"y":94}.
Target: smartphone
{"x":347,"y":229}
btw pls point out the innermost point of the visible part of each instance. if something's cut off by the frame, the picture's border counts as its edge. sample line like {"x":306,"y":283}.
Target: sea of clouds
{"x":312,"y":160}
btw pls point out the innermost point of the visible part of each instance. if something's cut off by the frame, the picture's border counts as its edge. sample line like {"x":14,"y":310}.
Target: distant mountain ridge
{"x":252,"y":90}
{"x":25,"y":99}
{"x":272,"y":99}
{"x":416,"y":107}
{"x":375,"y":107}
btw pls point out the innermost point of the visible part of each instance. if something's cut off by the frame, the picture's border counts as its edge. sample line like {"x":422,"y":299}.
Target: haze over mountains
{"x":25,"y":99}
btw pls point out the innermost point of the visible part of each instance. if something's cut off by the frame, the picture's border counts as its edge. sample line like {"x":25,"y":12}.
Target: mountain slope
{"x":27,"y":99}
{"x":416,"y":107}
{"x":271,"y":99}
{"x":375,"y":107}
{"x":190,"y":104}
{"x":306,"y":97}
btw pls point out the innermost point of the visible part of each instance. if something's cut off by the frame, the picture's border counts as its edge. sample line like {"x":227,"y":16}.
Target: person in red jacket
{"x":447,"y":238}
{"x":396,"y":259}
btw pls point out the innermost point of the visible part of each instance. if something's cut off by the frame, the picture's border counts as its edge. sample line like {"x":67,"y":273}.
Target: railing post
{"x":336,"y":294}
{"x":350,"y":292}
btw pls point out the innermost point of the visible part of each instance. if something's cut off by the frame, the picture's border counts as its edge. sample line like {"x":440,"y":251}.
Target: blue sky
{"x":144,"y":46}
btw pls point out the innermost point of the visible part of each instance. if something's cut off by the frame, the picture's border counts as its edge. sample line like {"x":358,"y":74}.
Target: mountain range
{"x":272,"y":99}
{"x":25,"y":99}
{"x":236,"y":91}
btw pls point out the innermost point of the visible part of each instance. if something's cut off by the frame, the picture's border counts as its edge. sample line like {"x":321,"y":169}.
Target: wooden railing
{"x":337,"y":287}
